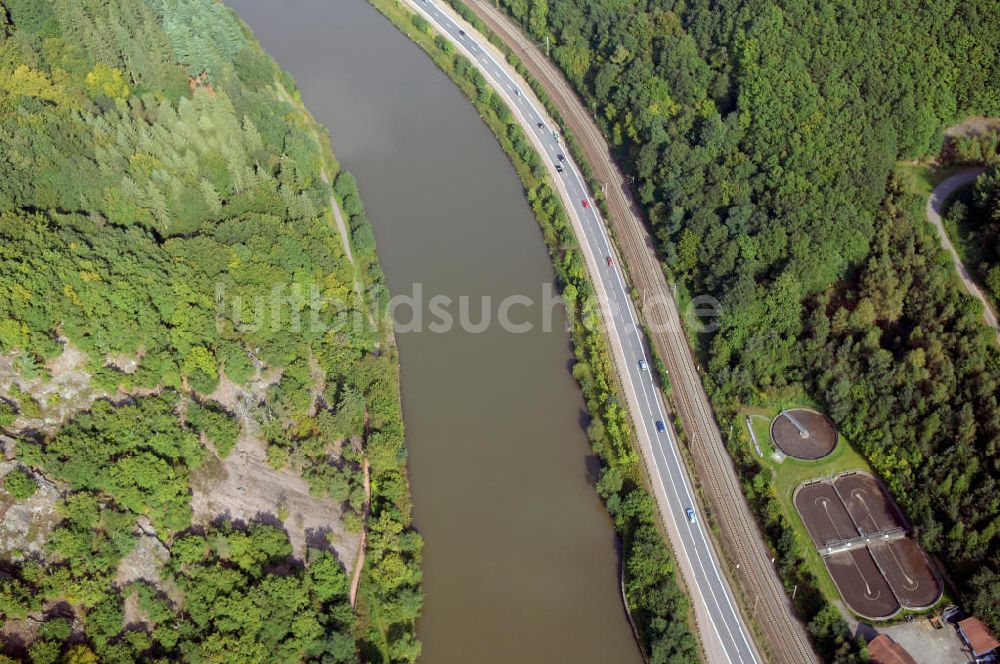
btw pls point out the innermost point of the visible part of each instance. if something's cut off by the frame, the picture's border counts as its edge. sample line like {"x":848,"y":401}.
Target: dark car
{"x":561,"y":157}
{"x":660,"y":426}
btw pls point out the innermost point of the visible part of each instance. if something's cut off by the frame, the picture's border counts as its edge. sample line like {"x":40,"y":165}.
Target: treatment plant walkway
{"x":783,"y":634}
{"x":935,"y":208}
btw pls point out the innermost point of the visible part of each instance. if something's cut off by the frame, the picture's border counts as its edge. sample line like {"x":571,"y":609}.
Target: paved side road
{"x":741,"y":542}
{"x":935,"y":208}
{"x":724,"y":635}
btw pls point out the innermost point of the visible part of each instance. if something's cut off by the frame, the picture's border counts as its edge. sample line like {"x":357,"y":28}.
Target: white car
{"x":692,"y":517}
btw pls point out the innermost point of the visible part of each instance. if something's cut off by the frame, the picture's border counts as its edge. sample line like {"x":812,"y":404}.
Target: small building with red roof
{"x":978,"y":637}
{"x":883,"y":650}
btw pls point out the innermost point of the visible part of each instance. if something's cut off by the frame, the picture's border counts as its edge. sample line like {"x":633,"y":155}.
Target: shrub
{"x":7,"y":413}
{"x":19,"y":484}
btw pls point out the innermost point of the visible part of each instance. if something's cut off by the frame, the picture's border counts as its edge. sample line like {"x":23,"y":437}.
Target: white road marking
{"x":696,"y":536}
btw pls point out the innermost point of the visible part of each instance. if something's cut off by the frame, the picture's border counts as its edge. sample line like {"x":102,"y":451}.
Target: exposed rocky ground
{"x":25,"y":526}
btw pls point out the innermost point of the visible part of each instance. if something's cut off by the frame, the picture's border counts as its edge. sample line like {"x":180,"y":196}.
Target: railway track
{"x":784,"y":636}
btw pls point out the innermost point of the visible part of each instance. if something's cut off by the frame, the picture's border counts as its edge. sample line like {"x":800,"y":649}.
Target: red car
{"x":586,"y":203}
{"x":610,"y":262}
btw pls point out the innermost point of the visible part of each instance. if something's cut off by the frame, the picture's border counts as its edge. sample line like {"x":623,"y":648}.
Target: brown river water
{"x":520,"y":562}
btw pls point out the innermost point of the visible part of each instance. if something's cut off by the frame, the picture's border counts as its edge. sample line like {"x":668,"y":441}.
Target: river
{"x":520,"y":563}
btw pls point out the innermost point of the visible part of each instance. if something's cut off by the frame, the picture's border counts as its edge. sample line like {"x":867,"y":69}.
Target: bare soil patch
{"x":243,"y":487}
{"x":25,"y":526}
{"x":60,"y":395}
{"x":975,"y":126}
{"x":144,"y":562}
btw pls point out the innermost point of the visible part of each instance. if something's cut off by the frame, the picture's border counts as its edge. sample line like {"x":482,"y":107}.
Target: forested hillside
{"x":763,"y":136}
{"x":976,"y":219}
{"x":176,"y":306}
{"x":986,"y":212}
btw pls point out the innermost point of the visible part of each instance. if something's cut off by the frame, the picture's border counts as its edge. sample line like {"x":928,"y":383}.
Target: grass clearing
{"x":921,"y":178}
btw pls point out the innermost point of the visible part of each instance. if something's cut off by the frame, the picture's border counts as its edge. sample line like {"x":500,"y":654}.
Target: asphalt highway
{"x":725,"y":637}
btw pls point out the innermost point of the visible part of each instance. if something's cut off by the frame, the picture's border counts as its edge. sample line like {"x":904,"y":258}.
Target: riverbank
{"x":495,"y":435}
{"x":384,"y":625}
{"x":621,"y":481}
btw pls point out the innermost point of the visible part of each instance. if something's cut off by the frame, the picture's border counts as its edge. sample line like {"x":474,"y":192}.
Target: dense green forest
{"x":165,"y":220}
{"x":986,"y":213}
{"x":763,"y":136}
